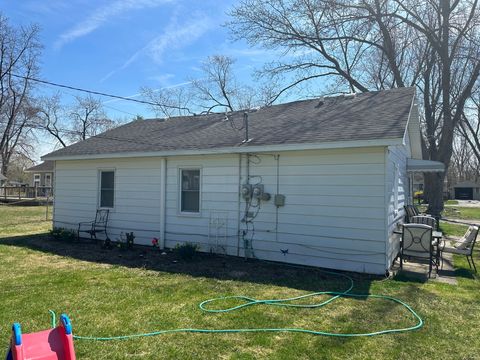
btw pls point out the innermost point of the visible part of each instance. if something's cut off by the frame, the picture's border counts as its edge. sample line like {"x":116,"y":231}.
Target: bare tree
{"x":52,"y":118}
{"x":88,"y":119}
{"x":216,"y":89}
{"x":469,"y":126}
{"x":377,"y":44}
{"x":169,"y":102}
{"x":16,"y":169}
{"x":19,"y":51}
{"x":219,"y":89}
{"x":19,"y":139}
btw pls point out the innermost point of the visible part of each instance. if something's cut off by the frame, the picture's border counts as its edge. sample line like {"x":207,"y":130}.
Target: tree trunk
{"x":434,"y":192}
{"x":4,"y":169}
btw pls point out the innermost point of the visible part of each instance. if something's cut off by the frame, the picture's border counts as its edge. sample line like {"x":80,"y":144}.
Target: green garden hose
{"x":273,"y":302}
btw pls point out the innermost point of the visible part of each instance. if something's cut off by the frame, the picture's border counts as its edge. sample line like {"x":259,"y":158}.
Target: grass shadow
{"x":465,"y":273}
{"x":203,"y":265}
{"x":408,"y":277}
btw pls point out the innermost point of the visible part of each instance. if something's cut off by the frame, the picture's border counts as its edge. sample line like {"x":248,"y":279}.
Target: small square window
{"x":190,"y":190}
{"x":107,"y":188}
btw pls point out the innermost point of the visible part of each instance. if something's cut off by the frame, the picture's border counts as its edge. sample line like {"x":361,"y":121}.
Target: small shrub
{"x":130,"y":239}
{"x":107,"y":244}
{"x":186,"y":251}
{"x":126,"y":241}
{"x":62,"y":234}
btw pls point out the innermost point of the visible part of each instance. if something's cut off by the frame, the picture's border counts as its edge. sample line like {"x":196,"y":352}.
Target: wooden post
{"x":19,"y":193}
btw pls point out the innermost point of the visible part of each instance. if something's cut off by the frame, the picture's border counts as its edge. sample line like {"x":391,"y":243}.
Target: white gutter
{"x":234,"y":149}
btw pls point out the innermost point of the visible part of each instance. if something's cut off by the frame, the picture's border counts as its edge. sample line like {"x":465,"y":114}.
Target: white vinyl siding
{"x":137,"y":195}
{"x":218,"y":201}
{"x":334,"y":214}
{"x":397,"y":193}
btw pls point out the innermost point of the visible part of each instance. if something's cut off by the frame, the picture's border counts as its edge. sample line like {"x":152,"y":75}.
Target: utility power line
{"x":28,"y":78}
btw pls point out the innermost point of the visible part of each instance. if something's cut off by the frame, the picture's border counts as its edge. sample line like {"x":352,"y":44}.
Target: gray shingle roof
{"x":45,"y":166}
{"x":367,"y":116}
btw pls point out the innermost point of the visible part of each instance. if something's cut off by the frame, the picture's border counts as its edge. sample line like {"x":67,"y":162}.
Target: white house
{"x":318,"y":182}
{"x":41,"y":175}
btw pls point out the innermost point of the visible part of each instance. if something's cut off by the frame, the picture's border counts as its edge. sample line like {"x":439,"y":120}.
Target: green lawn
{"x":23,"y":220}
{"x":458,"y":212}
{"x":110,"y":292}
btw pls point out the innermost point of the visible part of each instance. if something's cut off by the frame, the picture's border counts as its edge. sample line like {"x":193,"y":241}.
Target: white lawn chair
{"x":464,"y":246}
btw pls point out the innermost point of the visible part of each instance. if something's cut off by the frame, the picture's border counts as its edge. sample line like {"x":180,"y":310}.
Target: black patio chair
{"x":99,"y":225}
{"x":426,"y":220}
{"x":410,"y":211}
{"x":417,"y":243}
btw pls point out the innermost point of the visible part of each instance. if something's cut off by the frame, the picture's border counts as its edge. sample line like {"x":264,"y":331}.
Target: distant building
{"x":42,"y":174}
{"x":467,"y":190}
{"x":3,"y":180}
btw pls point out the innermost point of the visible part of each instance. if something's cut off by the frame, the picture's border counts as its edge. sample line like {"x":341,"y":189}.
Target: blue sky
{"x":118,"y":46}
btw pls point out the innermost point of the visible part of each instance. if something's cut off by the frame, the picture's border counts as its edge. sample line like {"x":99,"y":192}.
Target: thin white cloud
{"x":163,"y":79}
{"x":46,"y":7}
{"x":176,"y":36}
{"x":103,"y":14}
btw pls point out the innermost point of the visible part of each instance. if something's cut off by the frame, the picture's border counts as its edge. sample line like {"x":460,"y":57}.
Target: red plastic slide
{"x":53,"y":344}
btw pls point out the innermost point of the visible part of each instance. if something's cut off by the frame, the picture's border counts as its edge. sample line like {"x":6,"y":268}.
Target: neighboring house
{"x":318,"y":182}
{"x":42,"y":174}
{"x":3,"y":180}
{"x":467,"y":190}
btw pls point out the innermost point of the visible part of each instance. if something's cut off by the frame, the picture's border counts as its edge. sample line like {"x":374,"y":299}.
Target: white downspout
{"x":163,"y":200}
{"x":52,"y":194}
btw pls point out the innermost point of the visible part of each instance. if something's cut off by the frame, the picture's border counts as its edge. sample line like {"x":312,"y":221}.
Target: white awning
{"x":417,"y":165}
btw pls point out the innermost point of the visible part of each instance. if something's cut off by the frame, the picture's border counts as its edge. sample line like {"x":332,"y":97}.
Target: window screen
{"x":107,"y":188}
{"x":190,"y":191}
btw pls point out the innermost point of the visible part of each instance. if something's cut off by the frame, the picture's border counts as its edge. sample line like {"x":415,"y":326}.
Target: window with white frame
{"x":190,"y":190}
{"x":107,"y":188}
{"x":48,"y":180}
{"x":36,"y":180}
